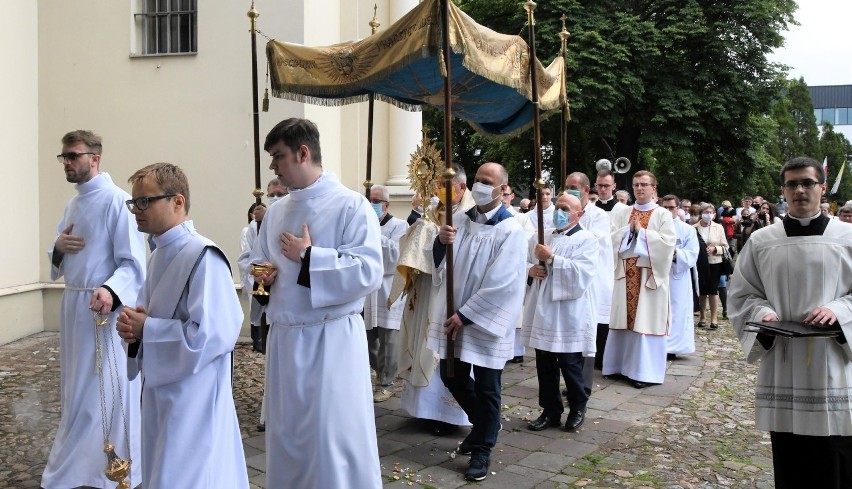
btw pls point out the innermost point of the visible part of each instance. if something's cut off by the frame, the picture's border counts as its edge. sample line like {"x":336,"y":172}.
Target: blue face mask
{"x":575,"y":193}
{"x":377,"y":208}
{"x":560,"y":219}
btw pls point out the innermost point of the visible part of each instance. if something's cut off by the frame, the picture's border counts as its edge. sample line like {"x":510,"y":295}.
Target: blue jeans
{"x":548,"y":365}
{"x":480,"y":399}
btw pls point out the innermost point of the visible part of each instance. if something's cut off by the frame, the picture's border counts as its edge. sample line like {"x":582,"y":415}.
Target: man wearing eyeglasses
{"x":643,"y":239}
{"x":181,"y":335}
{"x":605,"y":185}
{"x":800,"y":272}
{"x":382,"y":322}
{"x":102,"y":257}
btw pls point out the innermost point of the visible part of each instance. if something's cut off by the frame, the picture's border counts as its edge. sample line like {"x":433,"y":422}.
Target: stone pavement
{"x":694,"y":431}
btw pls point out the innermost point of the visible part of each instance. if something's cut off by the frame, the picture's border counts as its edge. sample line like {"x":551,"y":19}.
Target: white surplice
{"x":530,"y":231}
{"x":190,"y":433}
{"x":320,"y":429}
{"x":559,"y":313}
{"x":596,"y":221}
{"x":377,"y":312}
{"x":247,"y":240}
{"x":640,"y":353}
{"x":804,"y":386}
{"x":548,"y":217}
{"x":113,"y":255}
{"x":489,"y":280}
{"x":681,"y":339}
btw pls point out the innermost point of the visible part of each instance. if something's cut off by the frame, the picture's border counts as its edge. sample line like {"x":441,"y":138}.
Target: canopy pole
{"x":563,"y":100}
{"x":368,"y":183}
{"x":529,"y":6}
{"x":253,"y":14}
{"x":448,"y":176}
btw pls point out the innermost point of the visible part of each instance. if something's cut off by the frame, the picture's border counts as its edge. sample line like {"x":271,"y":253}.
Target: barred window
{"x":167,"y":27}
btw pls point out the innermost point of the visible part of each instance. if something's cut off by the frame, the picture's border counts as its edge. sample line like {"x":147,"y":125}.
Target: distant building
{"x":833,"y":104}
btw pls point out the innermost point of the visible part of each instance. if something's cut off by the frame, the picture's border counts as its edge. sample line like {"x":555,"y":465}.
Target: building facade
{"x":163,"y":80}
{"x":833,"y":104}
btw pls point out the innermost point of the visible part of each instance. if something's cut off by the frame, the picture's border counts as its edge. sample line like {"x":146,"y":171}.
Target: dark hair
{"x":773,"y":211}
{"x":251,"y":210}
{"x":804,"y":162}
{"x":605,"y":173}
{"x":295,"y":133}
{"x":672,"y":197}
{"x":90,"y":139}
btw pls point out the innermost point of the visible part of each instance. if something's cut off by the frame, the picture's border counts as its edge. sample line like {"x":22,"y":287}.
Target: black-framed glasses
{"x":806,"y":184}
{"x":670,"y":207}
{"x":642,"y":184}
{"x":603,"y":185}
{"x":377,"y":201}
{"x":142,"y":203}
{"x":70,"y":156}
{"x":509,"y":194}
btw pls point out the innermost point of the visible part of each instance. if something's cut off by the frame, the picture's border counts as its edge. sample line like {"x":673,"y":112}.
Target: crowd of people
{"x":363,"y":305}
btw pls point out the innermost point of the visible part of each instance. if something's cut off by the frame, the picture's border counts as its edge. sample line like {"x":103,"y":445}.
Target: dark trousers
{"x":480,"y":400}
{"x":548,"y":366}
{"x":600,"y":344}
{"x":811,"y":461}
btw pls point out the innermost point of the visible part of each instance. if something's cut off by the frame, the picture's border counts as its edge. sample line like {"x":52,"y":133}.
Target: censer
{"x":117,"y":469}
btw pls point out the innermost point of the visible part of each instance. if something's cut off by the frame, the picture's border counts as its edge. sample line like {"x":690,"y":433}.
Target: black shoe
{"x":478,"y":468}
{"x":261,"y":427}
{"x":575,"y":420}
{"x":543,"y":422}
{"x":714,"y":326}
{"x":641,"y":385}
{"x":517,"y":359}
{"x":440,"y":428}
{"x":671,"y":356}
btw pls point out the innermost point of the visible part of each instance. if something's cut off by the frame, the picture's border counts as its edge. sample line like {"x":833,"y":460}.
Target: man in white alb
{"x":324,"y":242}
{"x":681,"y":338}
{"x":102,"y":257}
{"x":382,"y":320}
{"x":182,"y":334}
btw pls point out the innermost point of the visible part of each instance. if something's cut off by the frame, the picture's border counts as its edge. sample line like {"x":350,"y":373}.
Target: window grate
{"x":168,"y":26}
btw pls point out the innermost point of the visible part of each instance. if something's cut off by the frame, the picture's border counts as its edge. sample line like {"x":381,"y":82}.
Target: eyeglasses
{"x":670,"y":207}
{"x":509,"y":194}
{"x":642,"y":184}
{"x":603,"y":185}
{"x":70,"y":156}
{"x":806,"y":184}
{"x":377,"y":201}
{"x":141,"y":203}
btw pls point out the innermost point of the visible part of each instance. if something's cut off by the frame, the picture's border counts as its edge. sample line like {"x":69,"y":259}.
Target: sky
{"x":820,"y":48}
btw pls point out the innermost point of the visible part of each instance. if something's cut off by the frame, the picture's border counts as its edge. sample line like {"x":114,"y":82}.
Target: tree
{"x":681,"y":82}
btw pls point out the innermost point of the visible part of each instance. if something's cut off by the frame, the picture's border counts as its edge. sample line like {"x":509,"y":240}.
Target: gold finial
{"x":374,"y":24}
{"x":540,"y":184}
{"x":530,"y":6}
{"x":368,"y":184}
{"x":253,"y":14}
{"x":564,"y":34}
{"x":258,"y":193}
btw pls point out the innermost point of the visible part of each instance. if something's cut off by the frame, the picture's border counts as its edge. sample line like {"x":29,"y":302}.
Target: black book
{"x":794,"y":329}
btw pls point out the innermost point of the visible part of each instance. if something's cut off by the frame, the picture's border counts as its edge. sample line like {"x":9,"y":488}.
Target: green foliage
{"x":682,"y":86}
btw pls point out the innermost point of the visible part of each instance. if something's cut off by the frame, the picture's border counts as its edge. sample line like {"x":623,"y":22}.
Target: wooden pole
{"x":368,"y":183}
{"x":448,"y":175}
{"x":529,"y":6}
{"x":563,"y":99}
{"x":253,"y":14}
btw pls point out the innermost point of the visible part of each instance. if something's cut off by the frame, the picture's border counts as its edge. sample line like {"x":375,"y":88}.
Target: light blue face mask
{"x":575,"y":193}
{"x":378,"y":208}
{"x":560,"y":219}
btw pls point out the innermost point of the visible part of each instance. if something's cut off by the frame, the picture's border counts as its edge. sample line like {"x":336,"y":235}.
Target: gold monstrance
{"x":424,"y":171}
{"x":117,"y":469}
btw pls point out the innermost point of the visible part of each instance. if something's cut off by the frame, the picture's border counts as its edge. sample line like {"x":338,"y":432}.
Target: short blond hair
{"x":170,"y":178}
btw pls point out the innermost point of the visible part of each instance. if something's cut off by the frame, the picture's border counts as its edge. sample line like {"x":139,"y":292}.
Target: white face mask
{"x":482,"y":193}
{"x":275,"y":199}
{"x":707,"y":217}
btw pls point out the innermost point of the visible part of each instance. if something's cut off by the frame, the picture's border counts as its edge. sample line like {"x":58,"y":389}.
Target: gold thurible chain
{"x":117,"y":469}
